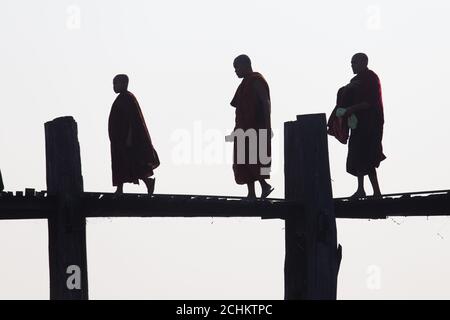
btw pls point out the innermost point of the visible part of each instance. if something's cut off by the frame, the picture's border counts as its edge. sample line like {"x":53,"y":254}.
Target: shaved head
{"x":243,"y":60}
{"x":359,"y":62}
{"x":120,"y":83}
{"x":361,"y":58}
{"x":242,"y":65}
{"x":122,"y":78}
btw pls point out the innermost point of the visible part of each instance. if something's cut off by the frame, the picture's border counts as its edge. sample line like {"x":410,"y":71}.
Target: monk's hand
{"x":340,"y":112}
{"x":352,"y":122}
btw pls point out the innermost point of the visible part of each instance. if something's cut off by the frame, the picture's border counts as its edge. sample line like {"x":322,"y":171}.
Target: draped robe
{"x":130,"y":161}
{"x":251,"y":114}
{"x":365,"y":149}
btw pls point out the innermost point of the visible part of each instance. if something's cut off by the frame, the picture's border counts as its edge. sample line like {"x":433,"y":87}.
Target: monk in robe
{"x":133,"y":157}
{"x":360,"y":104}
{"x":252,"y":133}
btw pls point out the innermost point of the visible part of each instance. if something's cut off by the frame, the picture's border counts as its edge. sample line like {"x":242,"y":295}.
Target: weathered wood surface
{"x":312,"y":263}
{"x":67,"y":224}
{"x":312,"y":259}
{"x":103,"y":205}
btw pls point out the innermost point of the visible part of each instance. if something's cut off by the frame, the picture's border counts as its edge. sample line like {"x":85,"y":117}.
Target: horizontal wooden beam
{"x":186,"y":206}
{"x":404,"y":206}
{"x":20,"y":207}
{"x":101,"y":205}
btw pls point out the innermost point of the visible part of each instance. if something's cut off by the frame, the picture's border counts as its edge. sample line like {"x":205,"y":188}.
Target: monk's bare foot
{"x":117,"y":193}
{"x":150,"y":183}
{"x":266,"y":190}
{"x":377,"y":196}
{"x":358,"y":194}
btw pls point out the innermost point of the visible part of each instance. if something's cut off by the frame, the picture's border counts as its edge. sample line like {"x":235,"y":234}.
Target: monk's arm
{"x":261,"y":92}
{"x":370,"y":98}
{"x":358,"y":107}
{"x":117,"y":127}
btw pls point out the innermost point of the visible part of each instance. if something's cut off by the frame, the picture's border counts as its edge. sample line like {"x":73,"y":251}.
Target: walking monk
{"x":360,"y":104}
{"x":252,"y":132}
{"x":133,"y":157}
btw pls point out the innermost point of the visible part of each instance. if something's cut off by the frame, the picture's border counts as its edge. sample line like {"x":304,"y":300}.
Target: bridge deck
{"x":38,"y":205}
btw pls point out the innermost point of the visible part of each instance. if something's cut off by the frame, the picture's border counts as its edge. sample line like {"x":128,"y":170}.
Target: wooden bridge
{"x":312,"y":254}
{"x":39,"y":205}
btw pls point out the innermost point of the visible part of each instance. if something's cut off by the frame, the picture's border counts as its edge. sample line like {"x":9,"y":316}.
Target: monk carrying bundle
{"x":359,"y":109}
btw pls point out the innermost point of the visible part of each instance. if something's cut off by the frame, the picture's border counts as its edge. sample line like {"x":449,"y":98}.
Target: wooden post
{"x":312,"y":258}
{"x":67,"y":226}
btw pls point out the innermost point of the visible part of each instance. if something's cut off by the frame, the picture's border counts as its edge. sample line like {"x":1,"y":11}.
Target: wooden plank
{"x":402,"y":194}
{"x":67,"y":226}
{"x":102,"y":205}
{"x":432,"y":205}
{"x":311,"y":263}
{"x":155,"y":206}
{"x":13,"y":208}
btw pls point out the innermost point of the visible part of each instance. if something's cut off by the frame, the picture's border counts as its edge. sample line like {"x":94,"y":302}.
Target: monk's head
{"x":242,"y":66}
{"x":120,"y":83}
{"x":359,"y":62}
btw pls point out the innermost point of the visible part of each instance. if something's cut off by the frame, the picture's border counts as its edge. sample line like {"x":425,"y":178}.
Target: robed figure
{"x":252,"y":132}
{"x":133,"y":156}
{"x":359,"y":118}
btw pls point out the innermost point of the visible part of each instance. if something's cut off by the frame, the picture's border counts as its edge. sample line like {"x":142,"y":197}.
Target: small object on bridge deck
{"x":5,"y":194}
{"x":40,"y":194}
{"x":29,"y":192}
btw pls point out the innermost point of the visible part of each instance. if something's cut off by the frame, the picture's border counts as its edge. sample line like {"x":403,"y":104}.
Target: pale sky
{"x":58,"y":58}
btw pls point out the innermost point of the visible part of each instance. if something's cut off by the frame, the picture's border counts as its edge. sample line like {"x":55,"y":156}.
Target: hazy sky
{"x":58,"y":58}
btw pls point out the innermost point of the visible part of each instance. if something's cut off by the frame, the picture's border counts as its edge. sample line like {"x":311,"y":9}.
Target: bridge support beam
{"x":66,"y":226}
{"x":312,"y":257}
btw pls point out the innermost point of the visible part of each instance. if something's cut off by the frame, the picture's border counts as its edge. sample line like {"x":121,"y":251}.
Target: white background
{"x":58,"y":58}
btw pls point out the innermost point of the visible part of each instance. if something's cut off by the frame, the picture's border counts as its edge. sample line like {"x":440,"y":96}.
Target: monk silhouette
{"x":133,"y":157}
{"x":252,"y":132}
{"x":359,"y":109}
